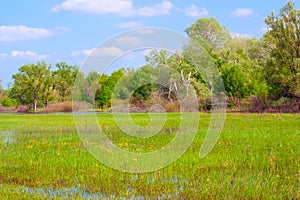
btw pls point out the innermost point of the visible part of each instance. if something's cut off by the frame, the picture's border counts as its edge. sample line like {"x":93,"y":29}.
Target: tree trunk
{"x":35,"y":100}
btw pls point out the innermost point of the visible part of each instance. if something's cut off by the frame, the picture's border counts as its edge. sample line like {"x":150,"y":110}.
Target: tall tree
{"x":31,"y":83}
{"x":65,"y":77}
{"x":210,"y":33}
{"x":283,"y":69}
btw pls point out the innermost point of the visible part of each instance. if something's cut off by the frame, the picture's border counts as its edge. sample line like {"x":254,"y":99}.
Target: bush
{"x":8,"y":102}
{"x":23,"y":108}
{"x":282,"y":105}
{"x":68,"y":107}
{"x":59,"y":107}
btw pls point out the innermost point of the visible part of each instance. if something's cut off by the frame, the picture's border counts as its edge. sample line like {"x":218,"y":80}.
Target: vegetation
{"x":257,"y":73}
{"x":257,"y":157}
{"x":284,"y":61}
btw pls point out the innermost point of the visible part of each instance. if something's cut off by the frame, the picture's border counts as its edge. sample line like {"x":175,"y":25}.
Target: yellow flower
{"x":208,"y":180}
{"x":29,"y":147}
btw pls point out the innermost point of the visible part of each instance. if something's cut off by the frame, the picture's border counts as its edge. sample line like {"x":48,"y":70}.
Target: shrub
{"x":8,"y":102}
{"x":23,"y":108}
{"x":67,"y":107}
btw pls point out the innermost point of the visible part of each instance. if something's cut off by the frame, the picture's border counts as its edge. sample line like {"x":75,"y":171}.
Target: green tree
{"x":8,"y":102}
{"x":141,"y":83}
{"x":106,"y":87}
{"x":210,"y":33}
{"x":207,"y":40}
{"x":65,"y":77}
{"x":31,"y":83}
{"x":178,"y":74}
{"x":92,"y":80}
{"x":283,"y":69}
{"x":2,"y":92}
{"x":240,"y":60}
{"x":235,"y":81}
{"x":241,"y":68}
{"x":81,"y":91}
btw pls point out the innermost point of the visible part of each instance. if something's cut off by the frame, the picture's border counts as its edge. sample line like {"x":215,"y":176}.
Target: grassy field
{"x":256,"y":157}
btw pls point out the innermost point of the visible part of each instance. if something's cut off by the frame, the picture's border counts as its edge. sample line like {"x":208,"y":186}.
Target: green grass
{"x":256,"y":157}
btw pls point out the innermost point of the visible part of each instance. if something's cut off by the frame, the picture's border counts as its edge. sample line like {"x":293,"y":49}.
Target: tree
{"x":92,"y":80}
{"x":142,"y":82}
{"x":31,"y":83}
{"x":106,"y":87}
{"x":65,"y":77}
{"x":209,"y":33}
{"x":207,"y":39}
{"x":242,"y":68}
{"x":8,"y":102}
{"x":283,"y":68}
{"x":178,"y":74}
{"x":2,"y":92}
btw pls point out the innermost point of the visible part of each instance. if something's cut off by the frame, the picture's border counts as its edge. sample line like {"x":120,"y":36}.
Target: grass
{"x":256,"y":157}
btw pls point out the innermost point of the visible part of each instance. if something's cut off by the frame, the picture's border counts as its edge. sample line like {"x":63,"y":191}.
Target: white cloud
{"x":20,"y":32}
{"x":119,"y":7}
{"x":242,"y":13}
{"x":28,"y":55}
{"x":23,"y":55}
{"x":3,"y":56}
{"x":84,"y":52}
{"x":194,"y":11}
{"x":129,"y":41}
{"x":163,"y":8}
{"x":129,"y":24}
{"x":94,"y":6}
{"x":98,"y":52}
{"x":242,"y":35}
{"x":107,"y":51}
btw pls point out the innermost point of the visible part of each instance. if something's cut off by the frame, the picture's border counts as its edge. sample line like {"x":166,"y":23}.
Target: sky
{"x":68,"y":30}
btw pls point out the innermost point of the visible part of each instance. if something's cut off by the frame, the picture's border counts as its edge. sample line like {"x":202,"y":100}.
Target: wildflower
{"x":29,"y":147}
{"x":208,"y":180}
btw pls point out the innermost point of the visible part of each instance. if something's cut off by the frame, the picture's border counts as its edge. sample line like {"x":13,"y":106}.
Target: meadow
{"x":256,"y":157}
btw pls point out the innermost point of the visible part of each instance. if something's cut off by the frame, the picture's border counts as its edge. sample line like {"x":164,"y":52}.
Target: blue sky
{"x":67,"y":30}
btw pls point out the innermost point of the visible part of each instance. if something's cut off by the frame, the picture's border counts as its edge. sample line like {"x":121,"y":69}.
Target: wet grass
{"x":256,"y":157}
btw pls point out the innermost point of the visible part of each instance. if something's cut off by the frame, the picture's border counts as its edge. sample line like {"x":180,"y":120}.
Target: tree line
{"x":254,"y":70}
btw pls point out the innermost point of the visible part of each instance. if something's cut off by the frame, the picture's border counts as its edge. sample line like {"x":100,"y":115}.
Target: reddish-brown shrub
{"x":23,"y":108}
{"x":67,"y":107}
